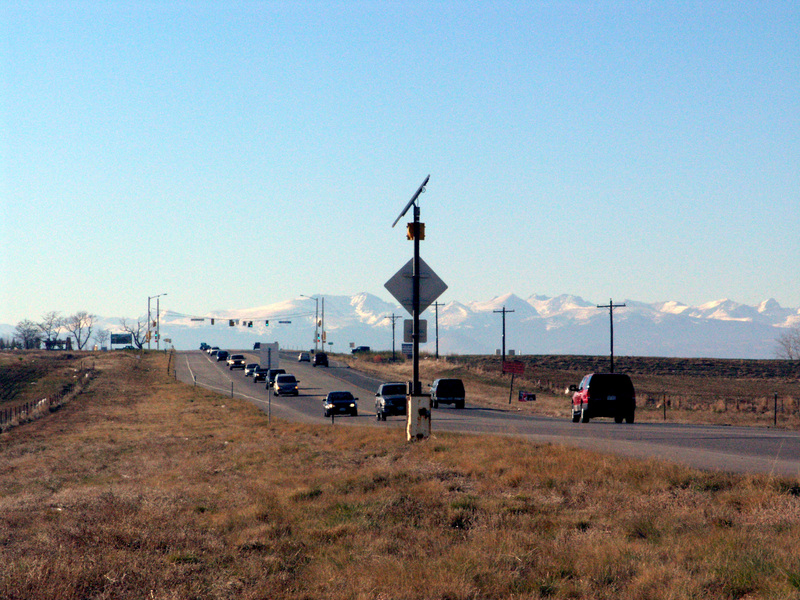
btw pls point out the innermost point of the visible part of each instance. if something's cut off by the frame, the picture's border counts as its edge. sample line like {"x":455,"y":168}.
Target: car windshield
{"x":286,"y":379}
{"x":397,"y":389}
{"x":340,"y":396}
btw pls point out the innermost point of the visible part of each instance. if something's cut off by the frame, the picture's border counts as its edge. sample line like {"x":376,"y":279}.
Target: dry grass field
{"x":713,"y":391}
{"x":145,"y":488}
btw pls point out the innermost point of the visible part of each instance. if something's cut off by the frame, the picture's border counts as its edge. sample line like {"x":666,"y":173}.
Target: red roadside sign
{"x":517,"y":367}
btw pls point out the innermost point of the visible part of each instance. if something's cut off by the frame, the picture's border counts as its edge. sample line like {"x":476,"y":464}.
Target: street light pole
{"x":316,"y":319}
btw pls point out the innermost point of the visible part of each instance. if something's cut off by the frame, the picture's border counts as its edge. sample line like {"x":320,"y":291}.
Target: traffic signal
{"x":410,"y":231}
{"x":212,"y":321}
{"x":249,"y":323}
{"x":231,"y":323}
{"x":266,"y":323}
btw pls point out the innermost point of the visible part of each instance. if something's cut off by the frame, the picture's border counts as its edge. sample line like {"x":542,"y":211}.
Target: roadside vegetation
{"x":713,"y":391}
{"x":143,"y":487}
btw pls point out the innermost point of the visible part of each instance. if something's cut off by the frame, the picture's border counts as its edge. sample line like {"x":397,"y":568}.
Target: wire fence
{"x":25,"y":412}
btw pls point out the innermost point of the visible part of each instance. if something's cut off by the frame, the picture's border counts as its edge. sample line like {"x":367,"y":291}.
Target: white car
{"x":304,"y":357}
{"x":236,"y":361}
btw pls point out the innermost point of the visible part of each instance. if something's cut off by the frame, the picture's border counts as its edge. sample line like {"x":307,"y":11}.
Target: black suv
{"x":604,"y":395}
{"x":447,"y":391}
{"x":320,"y":360}
{"x":390,"y":400}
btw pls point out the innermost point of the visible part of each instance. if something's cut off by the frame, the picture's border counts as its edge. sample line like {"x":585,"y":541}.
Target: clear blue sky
{"x":235,"y":154}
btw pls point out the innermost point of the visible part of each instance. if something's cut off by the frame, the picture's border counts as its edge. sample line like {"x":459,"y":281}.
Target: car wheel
{"x":327,"y":414}
{"x":460,"y":404}
{"x":435,"y":404}
{"x":355,"y":413}
{"x":383,"y":416}
{"x":618,"y":419}
{"x":576,"y":417}
{"x":377,"y":416}
{"x":629,"y":418}
{"x":584,"y":415}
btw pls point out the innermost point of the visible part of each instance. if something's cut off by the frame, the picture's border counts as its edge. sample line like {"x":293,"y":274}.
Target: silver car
{"x":286,"y":385}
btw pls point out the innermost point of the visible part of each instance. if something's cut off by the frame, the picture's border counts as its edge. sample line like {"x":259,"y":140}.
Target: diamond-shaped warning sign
{"x":401,"y":286}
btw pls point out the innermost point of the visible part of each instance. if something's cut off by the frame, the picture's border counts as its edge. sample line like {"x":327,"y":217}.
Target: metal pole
{"x":158,"y":323}
{"x":775,"y":412}
{"x":148,"y":322}
{"x":417,"y":387}
{"x":436,"y":306}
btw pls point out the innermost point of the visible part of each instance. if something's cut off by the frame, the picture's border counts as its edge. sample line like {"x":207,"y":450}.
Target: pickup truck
{"x":603,"y":395}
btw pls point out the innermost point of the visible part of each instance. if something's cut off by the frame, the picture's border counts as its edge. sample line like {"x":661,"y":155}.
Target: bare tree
{"x":28,"y":332}
{"x":51,"y":325}
{"x":80,"y":326}
{"x":101,"y":337}
{"x":137,"y":330}
{"x":789,"y":344}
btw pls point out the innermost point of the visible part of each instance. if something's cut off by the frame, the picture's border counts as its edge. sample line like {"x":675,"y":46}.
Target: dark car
{"x":204,"y":346}
{"x":260,"y":374}
{"x":340,"y":403}
{"x":390,"y":400}
{"x":360,"y":350}
{"x":447,"y":391}
{"x":222,"y":355}
{"x":320,"y":360}
{"x":604,"y":395}
{"x":286,"y":384}
{"x":272,"y":374}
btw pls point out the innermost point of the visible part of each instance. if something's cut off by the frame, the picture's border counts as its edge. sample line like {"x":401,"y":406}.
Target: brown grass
{"x":145,"y":488}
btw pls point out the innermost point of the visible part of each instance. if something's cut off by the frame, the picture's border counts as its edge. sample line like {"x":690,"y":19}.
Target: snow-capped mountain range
{"x":538,"y":325}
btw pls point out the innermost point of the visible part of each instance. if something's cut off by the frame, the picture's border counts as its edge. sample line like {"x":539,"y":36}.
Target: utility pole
{"x":504,"y":311}
{"x":611,"y":306}
{"x":394,"y":318}
{"x":437,"y":305}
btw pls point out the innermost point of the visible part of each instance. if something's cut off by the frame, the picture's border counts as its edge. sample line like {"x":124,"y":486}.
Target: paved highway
{"x":738,"y":449}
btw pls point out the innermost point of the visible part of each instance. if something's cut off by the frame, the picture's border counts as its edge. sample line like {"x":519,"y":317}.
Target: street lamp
{"x":158,"y":321}
{"x":316,"y":319}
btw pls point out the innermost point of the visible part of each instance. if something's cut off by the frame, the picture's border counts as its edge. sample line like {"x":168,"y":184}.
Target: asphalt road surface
{"x":737,"y":449}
